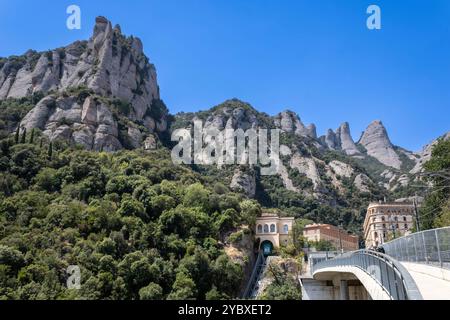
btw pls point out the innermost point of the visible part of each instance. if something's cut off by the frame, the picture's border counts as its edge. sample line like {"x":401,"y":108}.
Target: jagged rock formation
{"x":346,"y":141}
{"x":289,"y":121}
{"x":341,"y":169}
{"x":308,"y":167}
{"x":377,"y":144}
{"x":340,"y":140}
{"x":425,"y":154}
{"x":244,"y":182}
{"x":362,"y":182}
{"x":115,"y":73}
{"x":103,"y":94}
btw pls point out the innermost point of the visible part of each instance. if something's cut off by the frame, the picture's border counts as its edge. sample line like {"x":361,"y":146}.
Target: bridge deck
{"x":433,"y":282}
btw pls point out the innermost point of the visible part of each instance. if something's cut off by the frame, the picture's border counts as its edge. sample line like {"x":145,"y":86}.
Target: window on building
{"x":404,"y":219}
{"x":384,"y":225}
{"x":266,"y":228}
{"x":286,"y":228}
{"x":272,"y":228}
{"x":396,"y":218}
{"x":383,"y":219}
{"x":260,"y":229}
{"x":406,"y":226}
{"x":375,"y":234}
{"x":397,"y":226}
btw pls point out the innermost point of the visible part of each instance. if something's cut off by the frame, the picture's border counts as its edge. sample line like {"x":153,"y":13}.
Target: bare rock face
{"x":90,"y":124}
{"x":289,"y":121}
{"x":425,"y":154}
{"x":244,"y":181}
{"x":376,"y":141}
{"x":340,"y":140}
{"x":110,"y":65}
{"x":341,"y":169}
{"x":330,"y":140}
{"x":362,"y":182}
{"x":150,"y":143}
{"x":308,"y":167}
{"x":346,"y":141}
{"x":231,"y":114}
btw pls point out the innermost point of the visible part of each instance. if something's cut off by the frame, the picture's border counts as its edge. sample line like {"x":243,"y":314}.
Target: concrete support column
{"x":344,"y":290}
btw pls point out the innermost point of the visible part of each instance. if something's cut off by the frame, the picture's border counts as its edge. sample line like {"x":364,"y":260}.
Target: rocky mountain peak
{"x":340,"y":139}
{"x":378,"y":145}
{"x":376,"y":130}
{"x":289,"y":121}
{"x":101,"y":25}
{"x":345,"y":140}
{"x":83,"y":84}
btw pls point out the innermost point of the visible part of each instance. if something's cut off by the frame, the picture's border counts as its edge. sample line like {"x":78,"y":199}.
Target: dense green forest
{"x":137,"y":226}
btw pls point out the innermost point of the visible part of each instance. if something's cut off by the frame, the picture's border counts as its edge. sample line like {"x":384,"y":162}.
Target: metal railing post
{"x":424,"y":247}
{"x":438,"y":247}
{"x":415,"y":248}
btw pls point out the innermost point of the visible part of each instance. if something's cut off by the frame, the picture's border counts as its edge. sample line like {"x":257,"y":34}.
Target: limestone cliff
{"x":340,"y":140}
{"x":377,"y":144}
{"x":82,"y":83}
{"x":289,"y":121}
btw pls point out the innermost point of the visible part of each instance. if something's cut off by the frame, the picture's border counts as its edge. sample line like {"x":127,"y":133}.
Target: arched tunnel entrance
{"x":267,"y":247}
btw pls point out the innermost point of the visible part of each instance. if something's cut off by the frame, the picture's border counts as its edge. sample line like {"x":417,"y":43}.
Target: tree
{"x":183,"y":288}
{"x":132,"y":208}
{"x":196,"y":196}
{"x":322,"y":245}
{"x":437,"y":170}
{"x":161,"y":203}
{"x":120,"y":185}
{"x":443,"y":220}
{"x":24,"y":136}
{"x":286,"y":291}
{"x":48,"y":179}
{"x":32,"y":136}
{"x":151,"y":292}
{"x":283,"y":287}
{"x":25,"y":161}
{"x":227,"y":275}
{"x":17,"y":135}
{"x":197,"y":266}
{"x":215,"y":294}
{"x":297,"y":233}
{"x":250,"y":209}
{"x":50,"y":151}
{"x":120,"y":290}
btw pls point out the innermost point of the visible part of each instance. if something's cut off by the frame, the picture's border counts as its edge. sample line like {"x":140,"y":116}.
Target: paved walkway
{"x":429,"y":282}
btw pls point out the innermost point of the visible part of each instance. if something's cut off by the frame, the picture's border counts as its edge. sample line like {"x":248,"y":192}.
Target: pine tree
{"x":41,"y":143}
{"x":50,"y":151}
{"x":16,"y":138}
{"x":32,"y":136}
{"x":24,"y":136}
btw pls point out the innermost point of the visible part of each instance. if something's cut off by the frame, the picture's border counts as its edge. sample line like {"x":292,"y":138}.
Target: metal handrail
{"x":391,"y":275}
{"x":254,"y":276}
{"x":428,"y":247}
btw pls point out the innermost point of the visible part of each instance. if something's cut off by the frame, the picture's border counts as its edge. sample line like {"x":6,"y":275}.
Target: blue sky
{"x":314,"y":57}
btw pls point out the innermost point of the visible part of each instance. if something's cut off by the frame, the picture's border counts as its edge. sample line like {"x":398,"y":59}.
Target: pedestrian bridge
{"x":415,"y":267}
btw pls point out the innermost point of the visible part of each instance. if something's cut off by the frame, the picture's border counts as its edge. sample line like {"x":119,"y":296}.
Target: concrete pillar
{"x":344,"y":290}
